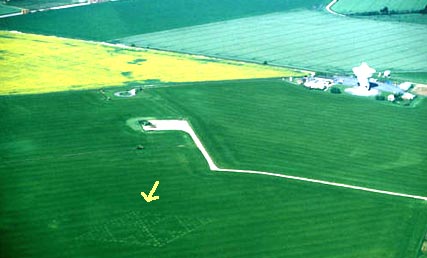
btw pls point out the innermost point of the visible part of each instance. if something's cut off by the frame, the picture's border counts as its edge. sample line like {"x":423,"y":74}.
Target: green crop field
{"x":113,"y":20}
{"x":305,"y":39}
{"x":71,"y":175}
{"x":315,"y":147}
{"x":74,"y":160}
{"x":361,"y":6}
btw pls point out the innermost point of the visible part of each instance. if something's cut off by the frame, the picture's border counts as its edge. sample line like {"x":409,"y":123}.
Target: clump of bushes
{"x":145,"y":123}
{"x":335,"y":90}
{"x":380,"y":97}
{"x":398,"y":96}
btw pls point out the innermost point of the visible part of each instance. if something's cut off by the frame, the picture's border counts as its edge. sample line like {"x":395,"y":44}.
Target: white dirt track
{"x":183,"y":125}
{"x":328,"y":8}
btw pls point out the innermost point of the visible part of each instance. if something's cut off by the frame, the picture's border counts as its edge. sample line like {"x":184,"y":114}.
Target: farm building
{"x":405,"y":86}
{"x":318,"y":83}
{"x":408,"y":96}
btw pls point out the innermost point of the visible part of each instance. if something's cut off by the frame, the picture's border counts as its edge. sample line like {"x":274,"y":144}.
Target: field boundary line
{"x":59,"y":7}
{"x":329,"y":6}
{"x":44,"y":9}
{"x":183,"y":125}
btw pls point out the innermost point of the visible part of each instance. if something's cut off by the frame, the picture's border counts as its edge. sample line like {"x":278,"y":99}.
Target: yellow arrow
{"x":150,"y":197}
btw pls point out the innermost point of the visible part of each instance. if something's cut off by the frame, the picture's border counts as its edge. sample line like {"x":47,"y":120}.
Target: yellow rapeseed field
{"x":39,"y":64}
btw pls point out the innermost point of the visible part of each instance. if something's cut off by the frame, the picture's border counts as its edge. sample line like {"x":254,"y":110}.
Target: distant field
{"x":309,"y":39}
{"x":37,"y":4}
{"x":5,"y":9}
{"x":72,"y":177}
{"x":361,"y":6}
{"x":39,"y":64}
{"x":415,"y":77}
{"x":112,"y":20}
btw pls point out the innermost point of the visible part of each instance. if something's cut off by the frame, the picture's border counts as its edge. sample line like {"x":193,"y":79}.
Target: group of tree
{"x":385,"y":10}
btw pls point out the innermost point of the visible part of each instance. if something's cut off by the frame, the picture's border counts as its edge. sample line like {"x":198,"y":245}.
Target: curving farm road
{"x":183,"y":125}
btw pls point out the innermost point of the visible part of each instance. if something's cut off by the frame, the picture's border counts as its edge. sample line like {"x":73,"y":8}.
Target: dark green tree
{"x":384,"y":10}
{"x":335,"y":90}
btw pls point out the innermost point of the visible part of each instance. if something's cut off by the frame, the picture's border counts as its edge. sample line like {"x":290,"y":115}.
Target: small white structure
{"x":387,"y":73}
{"x":126,"y":94}
{"x":408,"y":96}
{"x":363,"y":73}
{"x":132,"y":92}
{"x":391,"y":98}
{"x":405,"y":86}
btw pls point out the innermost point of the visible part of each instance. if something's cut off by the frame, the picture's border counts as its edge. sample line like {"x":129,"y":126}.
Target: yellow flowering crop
{"x":38,"y":64}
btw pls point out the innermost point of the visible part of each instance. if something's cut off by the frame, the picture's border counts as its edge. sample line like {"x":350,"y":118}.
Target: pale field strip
{"x":304,"y":39}
{"x":183,"y":125}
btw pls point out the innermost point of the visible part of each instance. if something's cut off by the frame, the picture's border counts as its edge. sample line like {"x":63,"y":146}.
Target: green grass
{"x":125,"y":18}
{"x":71,"y":177}
{"x":305,"y":39}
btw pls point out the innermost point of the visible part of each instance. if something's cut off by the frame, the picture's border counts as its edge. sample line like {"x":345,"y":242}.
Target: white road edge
{"x":183,"y":125}
{"x":45,"y":9}
{"x":328,"y":8}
